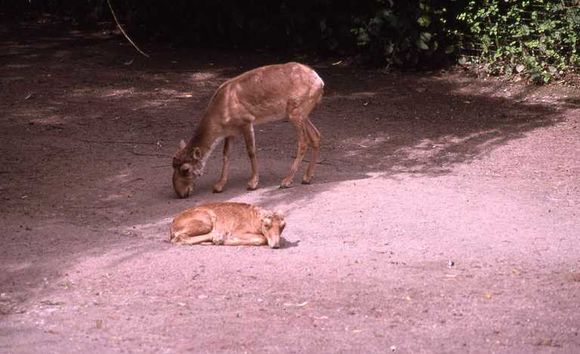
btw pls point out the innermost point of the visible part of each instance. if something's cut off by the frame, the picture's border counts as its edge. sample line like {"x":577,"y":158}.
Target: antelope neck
{"x":205,"y":141}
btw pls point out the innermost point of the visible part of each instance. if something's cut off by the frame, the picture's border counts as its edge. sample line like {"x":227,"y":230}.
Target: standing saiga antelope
{"x":266,"y":94}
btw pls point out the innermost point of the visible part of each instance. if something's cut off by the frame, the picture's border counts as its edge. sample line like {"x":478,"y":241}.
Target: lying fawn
{"x":229,"y":224}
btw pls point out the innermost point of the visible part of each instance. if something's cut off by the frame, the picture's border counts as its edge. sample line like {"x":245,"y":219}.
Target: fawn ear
{"x":196,"y":153}
{"x":182,"y":144}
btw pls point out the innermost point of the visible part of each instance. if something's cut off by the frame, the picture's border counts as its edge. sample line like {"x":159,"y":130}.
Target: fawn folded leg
{"x":192,"y":228}
{"x":196,"y":240}
{"x":248,"y":239}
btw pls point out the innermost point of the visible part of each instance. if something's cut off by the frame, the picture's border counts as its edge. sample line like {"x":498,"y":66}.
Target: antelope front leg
{"x":301,"y":151}
{"x":245,"y":240}
{"x":219,"y":186}
{"x":248,"y":132}
{"x":212,"y":238}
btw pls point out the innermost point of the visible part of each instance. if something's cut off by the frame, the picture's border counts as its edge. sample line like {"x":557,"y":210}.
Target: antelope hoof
{"x":285,"y":183}
{"x":218,"y":239}
{"x":252,"y":185}
{"x":218,"y":187}
{"x":306,"y":180}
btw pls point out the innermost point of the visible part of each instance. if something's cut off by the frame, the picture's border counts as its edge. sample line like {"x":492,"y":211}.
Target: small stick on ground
{"x":152,"y":154}
{"x":123,"y":31}
{"x":115,"y":142}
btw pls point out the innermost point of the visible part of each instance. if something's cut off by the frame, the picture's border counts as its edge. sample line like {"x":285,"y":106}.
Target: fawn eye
{"x":267,"y":222}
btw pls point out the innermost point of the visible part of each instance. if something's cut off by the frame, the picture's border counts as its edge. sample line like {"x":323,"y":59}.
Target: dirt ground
{"x":443,"y":216}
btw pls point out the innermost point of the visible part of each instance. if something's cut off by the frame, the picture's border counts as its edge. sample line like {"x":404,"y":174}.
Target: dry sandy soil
{"x":443,"y":217}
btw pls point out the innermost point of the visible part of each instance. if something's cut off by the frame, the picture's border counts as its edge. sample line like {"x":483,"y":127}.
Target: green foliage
{"x":535,"y":38}
{"x":406,"y":33}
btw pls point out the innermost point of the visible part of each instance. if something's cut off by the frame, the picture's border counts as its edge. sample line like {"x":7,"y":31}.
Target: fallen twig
{"x":123,"y":31}
{"x":115,"y":142}
{"x":288,"y":304}
{"x":147,"y":154}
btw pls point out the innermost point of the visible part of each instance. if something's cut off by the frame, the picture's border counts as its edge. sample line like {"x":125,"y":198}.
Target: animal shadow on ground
{"x":289,"y":244}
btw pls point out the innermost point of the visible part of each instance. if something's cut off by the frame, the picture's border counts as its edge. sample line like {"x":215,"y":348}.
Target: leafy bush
{"x":535,"y":38}
{"x":407,"y":33}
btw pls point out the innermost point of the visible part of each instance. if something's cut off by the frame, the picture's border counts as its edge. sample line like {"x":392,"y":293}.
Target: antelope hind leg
{"x":301,"y":151}
{"x":191,"y":227}
{"x":313,"y":136}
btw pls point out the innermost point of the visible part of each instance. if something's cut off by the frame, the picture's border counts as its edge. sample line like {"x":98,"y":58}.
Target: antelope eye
{"x":176,"y":163}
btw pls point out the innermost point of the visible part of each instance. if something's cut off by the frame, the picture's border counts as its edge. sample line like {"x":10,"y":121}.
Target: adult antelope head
{"x":187,"y":166}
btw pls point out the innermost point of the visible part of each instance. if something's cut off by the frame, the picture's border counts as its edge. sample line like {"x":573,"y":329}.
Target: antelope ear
{"x":196,"y":153}
{"x":279,"y":214}
{"x":182,"y":144}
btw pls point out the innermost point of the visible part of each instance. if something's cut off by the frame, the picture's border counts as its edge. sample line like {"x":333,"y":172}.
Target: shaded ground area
{"x":443,"y":217}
